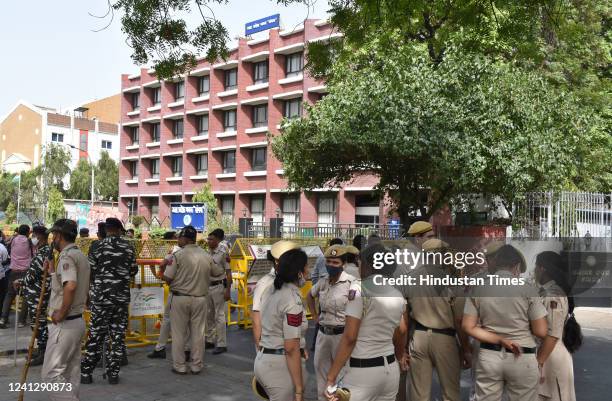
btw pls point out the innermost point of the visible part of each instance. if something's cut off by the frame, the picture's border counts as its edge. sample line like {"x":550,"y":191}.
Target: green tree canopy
{"x":56,"y":205}
{"x":205,"y":195}
{"x":107,"y":178}
{"x":55,"y":166}
{"x":80,"y":181}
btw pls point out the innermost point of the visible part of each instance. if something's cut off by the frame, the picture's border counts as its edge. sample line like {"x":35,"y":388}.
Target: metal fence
{"x":345,"y":231}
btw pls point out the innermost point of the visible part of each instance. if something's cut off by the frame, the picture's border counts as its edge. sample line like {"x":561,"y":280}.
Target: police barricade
{"x":248,"y":260}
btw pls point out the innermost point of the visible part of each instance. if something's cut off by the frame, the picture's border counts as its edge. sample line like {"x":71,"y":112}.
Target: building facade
{"x":211,"y":126}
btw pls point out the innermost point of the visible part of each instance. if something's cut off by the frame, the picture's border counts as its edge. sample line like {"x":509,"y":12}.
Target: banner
{"x":188,"y":214}
{"x":263,"y":24}
{"x":146,"y":301}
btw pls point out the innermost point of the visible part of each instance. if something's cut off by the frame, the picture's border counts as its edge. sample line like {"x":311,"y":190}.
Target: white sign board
{"x":260,"y":251}
{"x":146,"y":301}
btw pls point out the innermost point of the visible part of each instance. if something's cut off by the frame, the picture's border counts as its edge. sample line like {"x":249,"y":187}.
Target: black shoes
{"x":86,"y":379}
{"x":178,"y":372}
{"x":38,"y":359}
{"x":161,"y":354}
{"x":4,"y":324}
{"x":208,"y":345}
{"x":113,"y":379}
{"x":124,"y":360}
{"x":219,"y":350}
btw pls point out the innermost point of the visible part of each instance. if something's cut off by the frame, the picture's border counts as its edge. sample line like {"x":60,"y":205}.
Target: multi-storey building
{"x":211,"y":126}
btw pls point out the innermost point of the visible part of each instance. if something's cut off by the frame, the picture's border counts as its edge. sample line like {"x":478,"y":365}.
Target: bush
{"x":137,"y":221}
{"x":157,"y":233}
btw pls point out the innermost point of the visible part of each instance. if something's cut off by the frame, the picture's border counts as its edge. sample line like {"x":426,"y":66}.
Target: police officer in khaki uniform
{"x":188,"y":276}
{"x":352,"y":261}
{"x":69,"y":286}
{"x":505,"y":319}
{"x":374,"y":337}
{"x":218,"y":293}
{"x":436,"y":315}
{"x":266,"y":283}
{"x":278,"y":365}
{"x":332,"y":292}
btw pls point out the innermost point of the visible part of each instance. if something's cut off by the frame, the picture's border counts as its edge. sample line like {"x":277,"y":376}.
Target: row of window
{"x":59,"y":138}
{"x":292,"y":109}
{"x":294,"y":64}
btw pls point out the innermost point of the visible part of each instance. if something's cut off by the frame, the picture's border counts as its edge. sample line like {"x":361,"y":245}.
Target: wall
{"x":107,"y":109}
{"x":20,"y":132}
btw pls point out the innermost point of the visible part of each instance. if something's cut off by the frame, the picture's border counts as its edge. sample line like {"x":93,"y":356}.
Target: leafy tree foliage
{"x":11,"y":213}
{"x":55,"y":166}
{"x":56,"y":205}
{"x":80,"y":181}
{"x":205,"y":195}
{"x":107,"y":178}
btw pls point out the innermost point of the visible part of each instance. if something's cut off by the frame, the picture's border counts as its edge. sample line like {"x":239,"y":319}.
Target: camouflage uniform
{"x":113,"y":264}
{"x":32,"y":285}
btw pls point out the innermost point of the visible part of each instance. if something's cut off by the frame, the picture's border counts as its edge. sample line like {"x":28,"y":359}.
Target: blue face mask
{"x":333,"y":271}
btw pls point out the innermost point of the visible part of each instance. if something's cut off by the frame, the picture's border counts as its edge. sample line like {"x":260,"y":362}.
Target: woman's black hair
{"x":556,"y":269}
{"x":290,"y":265}
{"x":359,"y":241}
{"x":23,"y":229}
{"x":350,"y":257}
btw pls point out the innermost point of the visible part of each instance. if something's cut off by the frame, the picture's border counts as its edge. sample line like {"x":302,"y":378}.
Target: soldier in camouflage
{"x":32,"y":286}
{"x":113,"y":264}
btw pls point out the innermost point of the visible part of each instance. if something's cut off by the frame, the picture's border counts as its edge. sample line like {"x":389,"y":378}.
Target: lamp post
{"x":93,"y":175}
{"x":18,"y":186}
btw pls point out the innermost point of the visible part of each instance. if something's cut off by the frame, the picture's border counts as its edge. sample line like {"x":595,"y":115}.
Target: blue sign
{"x":273,"y":21}
{"x":188,"y":214}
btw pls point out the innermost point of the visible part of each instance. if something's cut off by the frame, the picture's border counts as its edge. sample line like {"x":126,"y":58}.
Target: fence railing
{"x":325,"y":230}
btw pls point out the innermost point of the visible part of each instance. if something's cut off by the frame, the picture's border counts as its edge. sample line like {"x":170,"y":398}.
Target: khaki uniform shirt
{"x":219,"y":256}
{"x":332,"y":299}
{"x":72,"y":265}
{"x":262,"y":289}
{"x":190,"y":271}
{"x":352,"y":269}
{"x":508,"y":316}
{"x":380,"y":316}
{"x":283,"y":317}
{"x":555,"y":302}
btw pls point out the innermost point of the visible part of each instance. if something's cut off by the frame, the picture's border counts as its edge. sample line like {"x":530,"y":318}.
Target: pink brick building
{"x":211,"y":126}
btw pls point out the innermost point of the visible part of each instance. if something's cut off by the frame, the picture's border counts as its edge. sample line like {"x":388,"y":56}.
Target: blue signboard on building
{"x":188,"y":214}
{"x":273,"y":21}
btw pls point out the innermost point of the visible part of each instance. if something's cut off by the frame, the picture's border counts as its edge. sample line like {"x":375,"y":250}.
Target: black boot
{"x":124,"y":360}
{"x":86,"y":379}
{"x":113,"y":379}
{"x":38,"y":359}
{"x":161,"y":354}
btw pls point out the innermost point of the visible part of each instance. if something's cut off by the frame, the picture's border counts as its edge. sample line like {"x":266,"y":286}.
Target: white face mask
{"x":35,"y":241}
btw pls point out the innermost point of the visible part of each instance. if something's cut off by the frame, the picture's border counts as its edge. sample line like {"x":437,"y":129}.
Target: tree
{"x":107,"y":178}
{"x":56,"y":205}
{"x":205,"y":195}
{"x":10,"y":213}
{"x":80,"y":181}
{"x":9,"y":189}
{"x":55,"y":166}
{"x":467,"y":125}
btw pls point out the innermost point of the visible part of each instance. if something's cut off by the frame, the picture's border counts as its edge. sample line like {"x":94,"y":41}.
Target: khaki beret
{"x":280,"y":247}
{"x":493,"y":246}
{"x":434,"y":244}
{"x":335,"y":251}
{"x":419,"y":227}
{"x":352,"y":249}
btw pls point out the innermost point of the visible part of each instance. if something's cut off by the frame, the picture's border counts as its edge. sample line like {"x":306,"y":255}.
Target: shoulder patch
{"x":351,"y":294}
{"x":553,"y":304}
{"x":294,"y":319}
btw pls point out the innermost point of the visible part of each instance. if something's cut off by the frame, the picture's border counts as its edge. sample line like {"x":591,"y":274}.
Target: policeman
{"x":69,"y":285}
{"x":421,"y":231}
{"x":113,"y":264}
{"x":189,"y":278}
{"x":265,"y":283}
{"x":333,"y":293}
{"x":374,"y":337}
{"x":32,"y":284}
{"x":278,"y":364}
{"x":436,"y":315}
{"x":352,"y":261}
{"x":504,"y":318}
{"x":219,"y":293}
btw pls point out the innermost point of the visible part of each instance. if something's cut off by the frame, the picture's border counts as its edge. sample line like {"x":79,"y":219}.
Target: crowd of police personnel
{"x":371,"y":343}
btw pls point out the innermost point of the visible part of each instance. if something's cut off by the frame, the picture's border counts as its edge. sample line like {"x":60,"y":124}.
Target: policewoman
{"x":333,"y":294}
{"x":278,"y":365}
{"x":554,"y":357}
{"x":374,"y":338}
{"x":352,"y":261}
{"x":505,"y":319}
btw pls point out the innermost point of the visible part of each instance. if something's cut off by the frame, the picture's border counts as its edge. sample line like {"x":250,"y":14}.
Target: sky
{"x":52,"y":57}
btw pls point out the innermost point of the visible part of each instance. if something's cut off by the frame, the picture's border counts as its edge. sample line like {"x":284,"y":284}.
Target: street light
{"x":93,"y":176}
{"x":18,"y":185}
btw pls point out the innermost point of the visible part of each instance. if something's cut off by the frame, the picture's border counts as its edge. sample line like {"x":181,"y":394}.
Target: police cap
{"x":259,"y":390}
{"x":434,"y":244}
{"x":335,"y":251}
{"x":419,"y":227}
{"x":280,"y":247}
{"x":352,"y":250}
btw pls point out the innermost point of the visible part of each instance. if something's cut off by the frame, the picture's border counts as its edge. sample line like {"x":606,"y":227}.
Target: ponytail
{"x":572,"y":332}
{"x":278,"y":282}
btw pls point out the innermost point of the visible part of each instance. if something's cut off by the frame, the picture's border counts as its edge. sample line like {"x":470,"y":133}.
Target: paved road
{"x":227,"y":377}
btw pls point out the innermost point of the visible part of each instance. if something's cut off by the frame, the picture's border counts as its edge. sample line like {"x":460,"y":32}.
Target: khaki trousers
{"x":62,"y":362}
{"x":215,"y":323}
{"x":379,"y":383}
{"x":188,"y":321}
{"x":496,"y":369}
{"x":429,"y":350}
{"x":325,"y":352}
{"x":272,"y":372}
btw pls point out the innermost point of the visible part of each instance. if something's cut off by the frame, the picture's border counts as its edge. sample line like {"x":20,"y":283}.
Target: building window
{"x":229,"y":162}
{"x":367,"y":209}
{"x":178,"y":129}
{"x":231,"y":79}
{"x":260,"y":72}
{"x":179,"y":90}
{"x":326,"y":209}
{"x":227,"y":207}
{"x":135,"y":134}
{"x":156,"y":96}
{"x":203,"y":85}
{"x":293,"y":108}
{"x":135,"y":101}
{"x":55,"y":137}
{"x":177,"y":166}
{"x":203,"y":125}
{"x":134,"y":169}
{"x":294,"y":64}
{"x":155,"y":134}
{"x":108,"y":145}
{"x":154,"y":206}
{"x":257,"y":208}
{"x":202,"y":164}
{"x":290,"y":208}
{"x":155,"y":168}
{"x":260,"y":116}
{"x":229,"y":120}
{"x":83,"y":141}
{"x":258,"y":160}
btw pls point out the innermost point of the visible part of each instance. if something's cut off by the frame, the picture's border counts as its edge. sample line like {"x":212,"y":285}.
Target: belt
{"x":180,"y":294}
{"x":216,"y":282}
{"x":279,"y":351}
{"x":68,"y":318}
{"x":371,"y":362}
{"x":448,"y":332}
{"x":331,"y":330}
{"x":498,"y":347}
